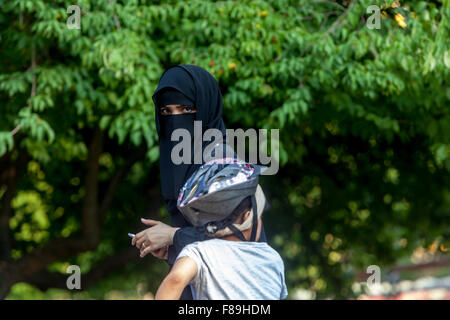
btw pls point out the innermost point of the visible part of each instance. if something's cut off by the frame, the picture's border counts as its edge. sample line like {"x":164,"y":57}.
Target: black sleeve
{"x":182,"y":238}
{"x":187,"y":235}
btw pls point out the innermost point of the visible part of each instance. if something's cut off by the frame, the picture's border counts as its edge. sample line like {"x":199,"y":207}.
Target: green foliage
{"x":128,"y":283}
{"x":363,"y":117}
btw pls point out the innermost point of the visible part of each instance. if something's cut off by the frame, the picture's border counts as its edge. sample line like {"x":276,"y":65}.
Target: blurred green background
{"x":364,"y":136}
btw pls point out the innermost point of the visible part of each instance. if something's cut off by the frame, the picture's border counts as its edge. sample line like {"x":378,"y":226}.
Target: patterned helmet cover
{"x":216,"y":189}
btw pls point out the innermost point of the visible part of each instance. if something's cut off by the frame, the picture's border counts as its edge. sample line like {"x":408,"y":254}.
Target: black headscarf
{"x":186,"y":85}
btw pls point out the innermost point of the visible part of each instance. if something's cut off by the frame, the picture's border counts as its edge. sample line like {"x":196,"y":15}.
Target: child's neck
{"x":247,"y":234}
{"x":232,"y":237}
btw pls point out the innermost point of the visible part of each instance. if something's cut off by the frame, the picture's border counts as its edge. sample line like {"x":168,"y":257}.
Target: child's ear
{"x":245,"y":216}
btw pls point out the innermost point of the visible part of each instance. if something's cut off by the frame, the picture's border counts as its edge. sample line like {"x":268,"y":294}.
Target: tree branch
{"x":33,"y":86}
{"x":331,"y":3}
{"x":112,"y":187}
{"x":90,"y":220}
{"x":339,"y":20}
{"x":12,"y":177}
{"x":442,"y":262}
{"x":57,"y":249}
{"x":44,"y":280}
{"x":116,"y":20}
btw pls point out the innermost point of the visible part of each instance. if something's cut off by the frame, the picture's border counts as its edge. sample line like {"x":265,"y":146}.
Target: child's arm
{"x":183,"y":271}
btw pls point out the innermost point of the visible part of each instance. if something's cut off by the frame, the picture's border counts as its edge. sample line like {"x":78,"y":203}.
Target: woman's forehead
{"x":175,"y":106}
{"x":172,"y":96}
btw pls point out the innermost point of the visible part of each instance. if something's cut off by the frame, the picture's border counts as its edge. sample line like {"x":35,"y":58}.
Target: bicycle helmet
{"x":210,"y":196}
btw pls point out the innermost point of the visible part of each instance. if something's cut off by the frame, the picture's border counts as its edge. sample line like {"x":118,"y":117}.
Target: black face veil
{"x":187,"y":85}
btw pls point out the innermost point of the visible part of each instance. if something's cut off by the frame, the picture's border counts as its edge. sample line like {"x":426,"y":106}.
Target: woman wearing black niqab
{"x":187,"y":85}
{"x":191,"y":86}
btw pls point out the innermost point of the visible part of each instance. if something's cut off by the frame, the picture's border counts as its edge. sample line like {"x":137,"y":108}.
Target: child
{"x":232,"y":265}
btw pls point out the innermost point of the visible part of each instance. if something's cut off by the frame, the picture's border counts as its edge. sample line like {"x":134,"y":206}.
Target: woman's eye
{"x":164,"y":111}
{"x":188,"y":109}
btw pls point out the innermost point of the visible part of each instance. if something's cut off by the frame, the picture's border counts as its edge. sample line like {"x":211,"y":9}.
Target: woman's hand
{"x":158,"y":236}
{"x":162,"y":253}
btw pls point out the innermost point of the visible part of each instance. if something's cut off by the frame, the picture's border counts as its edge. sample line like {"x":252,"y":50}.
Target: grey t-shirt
{"x":236,"y":270}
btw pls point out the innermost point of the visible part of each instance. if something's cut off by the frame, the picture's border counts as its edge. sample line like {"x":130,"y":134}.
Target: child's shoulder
{"x":211,"y":244}
{"x":206,"y":243}
{"x":216,"y":243}
{"x":201,"y":248}
{"x":197,"y":245}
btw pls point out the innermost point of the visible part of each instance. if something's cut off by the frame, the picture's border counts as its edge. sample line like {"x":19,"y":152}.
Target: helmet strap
{"x":237,"y":232}
{"x":255,"y":219}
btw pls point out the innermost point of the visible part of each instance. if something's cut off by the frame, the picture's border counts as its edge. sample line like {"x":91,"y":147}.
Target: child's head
{"x":242,"y":221}
{"x":243,"y":218}
{"x":223,"y":196}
